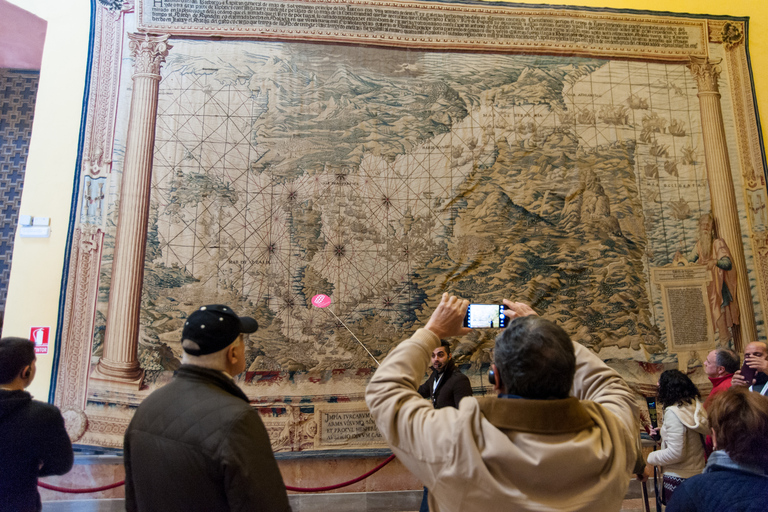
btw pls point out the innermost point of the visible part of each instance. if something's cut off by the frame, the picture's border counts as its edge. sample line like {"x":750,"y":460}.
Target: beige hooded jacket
{"x":495,"y":454}
{"x":682,"y":441}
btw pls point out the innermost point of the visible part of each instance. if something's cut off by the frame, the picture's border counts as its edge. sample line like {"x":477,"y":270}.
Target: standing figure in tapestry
{"x":721,"y":289}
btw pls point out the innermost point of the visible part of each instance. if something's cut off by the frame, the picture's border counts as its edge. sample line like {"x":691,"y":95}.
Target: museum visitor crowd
{"x":560,"y":433}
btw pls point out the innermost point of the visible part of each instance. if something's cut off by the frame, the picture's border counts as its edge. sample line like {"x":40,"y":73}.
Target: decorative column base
{"x":125,"y":376}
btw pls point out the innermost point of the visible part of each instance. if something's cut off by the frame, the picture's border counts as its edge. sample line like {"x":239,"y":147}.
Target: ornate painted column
{"x":119,"y":362}
{"x":721,"y":190}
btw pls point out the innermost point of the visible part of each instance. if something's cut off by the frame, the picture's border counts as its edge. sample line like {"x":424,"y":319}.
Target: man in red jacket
{"x":720,"y":366}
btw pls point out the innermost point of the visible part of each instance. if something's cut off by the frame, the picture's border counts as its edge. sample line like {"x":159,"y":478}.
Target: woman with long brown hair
{"x":685,"y":424}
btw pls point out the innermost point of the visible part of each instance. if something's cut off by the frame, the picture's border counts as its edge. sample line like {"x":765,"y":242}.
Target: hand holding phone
{"x":747,"y":373}
{"x":485,"y":316}
{"x":652,"y":415}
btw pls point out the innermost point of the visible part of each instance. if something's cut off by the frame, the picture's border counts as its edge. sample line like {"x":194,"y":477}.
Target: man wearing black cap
{"x":196,"y":443}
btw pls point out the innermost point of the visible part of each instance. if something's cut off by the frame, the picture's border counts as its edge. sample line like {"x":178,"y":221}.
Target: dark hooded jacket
{"x":33,"y":443}
{"x":452,"y":387}
{"x":197,"y":445}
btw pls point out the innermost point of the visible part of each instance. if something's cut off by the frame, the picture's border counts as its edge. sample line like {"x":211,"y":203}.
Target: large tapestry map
{"x":603,"y":166}
{"x":383,"y":178}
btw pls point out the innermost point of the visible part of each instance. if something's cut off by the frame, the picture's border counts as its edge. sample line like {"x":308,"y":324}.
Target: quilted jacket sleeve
{"x":682,"y":501}
{"x":252,"y":479}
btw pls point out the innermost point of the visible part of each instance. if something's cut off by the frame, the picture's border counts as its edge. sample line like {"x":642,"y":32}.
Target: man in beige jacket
{"x":561,"y":436}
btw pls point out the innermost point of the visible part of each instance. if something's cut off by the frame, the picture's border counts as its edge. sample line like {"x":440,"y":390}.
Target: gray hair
{"x":214,"y":361}
{"x":728,"y":359}
{"x":535,"y":359}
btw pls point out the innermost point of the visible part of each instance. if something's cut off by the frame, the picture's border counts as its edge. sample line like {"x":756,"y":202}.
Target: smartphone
{"x":651,"y":401}
{"x":653,"y":415}
{"x":748,"y":373}
{"x":485,"y":316}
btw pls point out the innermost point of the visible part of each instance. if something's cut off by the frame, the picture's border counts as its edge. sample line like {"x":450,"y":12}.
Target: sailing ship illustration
{"x":614,"y":114}
{"x":654,"y":123}
{"x":585,"y":116}
{"x":681,"y":210}
{"x":652,"y":195}
{"x":635,"y":102}
{"x":677,"y":128}
{"x":659,"y":150}
{"x":688,"y":156}
{"x":670,"y":166}
{"x":651,"y":170}
{"x":566,"y":118}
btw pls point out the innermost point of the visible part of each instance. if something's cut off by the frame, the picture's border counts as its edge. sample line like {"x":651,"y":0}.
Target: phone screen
{"x":485,"y":316}
{"x":651,"y":401}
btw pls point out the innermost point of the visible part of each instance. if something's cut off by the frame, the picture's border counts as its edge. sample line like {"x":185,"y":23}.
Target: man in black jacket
{"x":196,"y":444}
{"x":447,"y":385}
{"x":33,"y":441}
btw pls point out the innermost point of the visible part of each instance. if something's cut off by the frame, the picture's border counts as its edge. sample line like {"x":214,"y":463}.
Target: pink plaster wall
{"x":22,"y":35}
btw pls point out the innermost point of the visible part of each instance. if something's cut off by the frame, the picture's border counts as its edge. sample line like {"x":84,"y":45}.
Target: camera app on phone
{"x":485,"y":316}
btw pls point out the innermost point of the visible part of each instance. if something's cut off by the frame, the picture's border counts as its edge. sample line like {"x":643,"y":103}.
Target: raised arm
{"x":594,"y":380}
{"x":402,"y":416}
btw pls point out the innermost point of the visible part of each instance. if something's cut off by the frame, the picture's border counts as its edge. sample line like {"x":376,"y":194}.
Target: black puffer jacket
{"x":197,"y":445}
{"x":33,"y":443}
{"x":453,"y":386}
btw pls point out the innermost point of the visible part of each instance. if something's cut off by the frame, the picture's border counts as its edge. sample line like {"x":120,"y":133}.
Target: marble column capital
{"x":149,"y":53}
{"x":706,"y":72}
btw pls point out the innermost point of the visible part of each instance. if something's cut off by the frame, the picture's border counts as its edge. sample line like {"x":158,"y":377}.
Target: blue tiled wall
{"x":18,"y":90}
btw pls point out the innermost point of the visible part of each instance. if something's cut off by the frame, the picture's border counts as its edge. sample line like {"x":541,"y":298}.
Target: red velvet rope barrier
{"x":343,"y":484}
{"x":78,"y":491}
{"x":295,"y":489}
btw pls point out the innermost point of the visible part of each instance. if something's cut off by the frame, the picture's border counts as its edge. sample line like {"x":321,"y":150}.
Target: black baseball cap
{"x":215,"y":327}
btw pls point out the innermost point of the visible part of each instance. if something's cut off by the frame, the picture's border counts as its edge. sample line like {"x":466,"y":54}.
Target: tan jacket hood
{"x":693,"y":416}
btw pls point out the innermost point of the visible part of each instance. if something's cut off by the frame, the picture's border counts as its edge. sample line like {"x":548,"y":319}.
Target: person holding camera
{"x":33,"y":440}
{"x":754,"y":373}
{"x":562,"y":434}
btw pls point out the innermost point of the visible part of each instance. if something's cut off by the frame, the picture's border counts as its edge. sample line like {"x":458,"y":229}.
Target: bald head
{"x":756,"y":349}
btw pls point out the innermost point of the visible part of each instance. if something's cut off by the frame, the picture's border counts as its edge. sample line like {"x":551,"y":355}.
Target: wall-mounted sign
{"x":40,"y":336}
